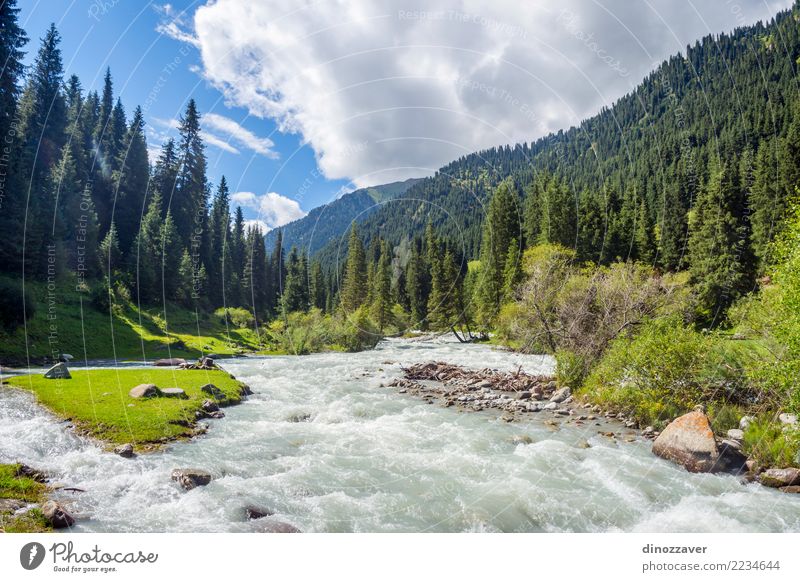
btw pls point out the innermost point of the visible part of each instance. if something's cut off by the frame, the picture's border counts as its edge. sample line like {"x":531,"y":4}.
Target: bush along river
{"x":387,"y":441}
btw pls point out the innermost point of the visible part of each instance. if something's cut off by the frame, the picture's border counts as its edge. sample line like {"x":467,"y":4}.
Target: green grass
{"x":14,"y":487}
{"x":127,"y":332}
{"x":98,"y":404}
{"x":25,"y":489}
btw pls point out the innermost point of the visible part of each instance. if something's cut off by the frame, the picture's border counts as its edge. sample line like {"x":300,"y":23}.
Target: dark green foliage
{"x":354,"y":287}
{"x":14,"y":305}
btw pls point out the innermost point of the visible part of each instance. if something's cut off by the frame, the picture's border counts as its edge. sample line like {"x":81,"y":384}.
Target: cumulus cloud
{"x":273,"y":209}
{"x":422,"y":83}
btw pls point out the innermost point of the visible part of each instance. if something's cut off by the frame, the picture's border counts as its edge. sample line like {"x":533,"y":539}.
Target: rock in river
{"x":191,"y":478}
{"x":270,"y":526}
{"x":58,"y":372}
{"x":780,"y":477}
{"x":143,"y":391}
{"x":561,"y":395}
{"x":125,"y":450}
{"x":689,"y":441}
{"x":213,"y":391}
{"x":56,"y":515}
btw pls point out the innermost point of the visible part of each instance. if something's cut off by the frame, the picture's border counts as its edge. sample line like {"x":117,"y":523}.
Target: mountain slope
{"x":326,"y":224}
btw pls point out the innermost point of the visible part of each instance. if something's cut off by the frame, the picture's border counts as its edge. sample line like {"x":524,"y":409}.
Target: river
{"x":328,"y":448}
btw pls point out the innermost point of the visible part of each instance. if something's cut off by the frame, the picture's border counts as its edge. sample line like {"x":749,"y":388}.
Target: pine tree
{"x":12,"y":217}
{"x":255,"y":277}
{"x":277,"y":275}
{"x":145,"y":253}
{"x":109,"y":254}
{"x":418,"y":285}
{"x":512,"y":273}
{"x":645,"y":243}
{"x":318,"y":289}
{"x":354,"y":292}
{"x":765,"y":202}
{"x":188,"y":206}
{"x":42,"y":128}
{"x":165,"y":175}
{"x":219,"y":235}
{"x":131,"y":180}
{"x":593,"y":229}
{"x":237,"y":247}
{"x":500,"y":228}
{"x":714,"y":242}
{"x":381,"y":305}
{"x":295,"y":295}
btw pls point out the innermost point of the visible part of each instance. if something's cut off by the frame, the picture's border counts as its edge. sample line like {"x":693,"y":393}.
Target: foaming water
{"x":328,"y":448}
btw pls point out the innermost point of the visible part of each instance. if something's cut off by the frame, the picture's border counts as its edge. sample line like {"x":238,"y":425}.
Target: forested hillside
{"x":326,"y":224}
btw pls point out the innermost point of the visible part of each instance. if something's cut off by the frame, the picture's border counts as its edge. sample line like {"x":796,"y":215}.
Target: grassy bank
{"x":70,"y":323}
{"x":98,"y":404}
{"x":24,"y":489}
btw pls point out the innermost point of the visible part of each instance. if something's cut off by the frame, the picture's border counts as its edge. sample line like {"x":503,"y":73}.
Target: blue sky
{"x":304,"y":98}
{"x":158,"y":72}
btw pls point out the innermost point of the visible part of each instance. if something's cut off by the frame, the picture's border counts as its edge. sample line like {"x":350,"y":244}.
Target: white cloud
{"x":273,"y":209}
{"x":239,"y":134}
{"x":259,"y":223}
{"x":232,"y":132}
{"x":421,"y":84}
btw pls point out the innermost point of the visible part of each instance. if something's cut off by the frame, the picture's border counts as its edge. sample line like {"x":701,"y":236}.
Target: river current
{"x":328,"y":447}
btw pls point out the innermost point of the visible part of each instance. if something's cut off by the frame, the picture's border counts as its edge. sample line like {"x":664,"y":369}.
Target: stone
{"x":524,"y":395}
{"x":209,"y":406}
{"x":191,"y":478}
{"x":791,"y":489}
{"x":255,"y":512}
{"x":213,"y":391}
{"x":550,"y":406}
{"x":144,"y":391}
{"x":786,"y":418}
{"x":65,"y":357}
{"x":56,"y":515}
{"x":271,"y":526}
{"x":689,"y":441}
{"x":780,"y":477}
{"x":11,"y":505}
{"x":173,"y":393}
{"x":731,"y":459}
{"x":31,"y":473}
{"x":745,"y":421}
{"x":561,"y":395}
{"x":169,"y":362}
{"x":520,"y":439}
{"x":537,"y":392}
{"x":58,"y":372}
{"x":245,"y":390}
{"x":736,"y":434}
{"x":216,"y":414}
{"x":731,"y":443}
{"x":125,"y":450}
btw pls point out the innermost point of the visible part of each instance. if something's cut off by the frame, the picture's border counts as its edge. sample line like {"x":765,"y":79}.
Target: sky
{"x":304,"y":100}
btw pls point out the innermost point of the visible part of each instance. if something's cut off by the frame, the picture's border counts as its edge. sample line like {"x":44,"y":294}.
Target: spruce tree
{"x":714,"y":247}
{"x":131,"y":181}
{"x":381,"y":305}
{"x":354,"y":292}
{"x":499,"y":229}
{"x":645,"y":243}
{"x":188,"y":206}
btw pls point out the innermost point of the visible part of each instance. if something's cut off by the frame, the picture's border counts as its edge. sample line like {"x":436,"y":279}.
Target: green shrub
{"x":771,"y":445}
{"x":656,"y":375}
{"x":14,"y":305}
{"x":570,"y":369}
{"x":356,"y":331}
{"x":724,"y":417}
{"x":240,"y":317}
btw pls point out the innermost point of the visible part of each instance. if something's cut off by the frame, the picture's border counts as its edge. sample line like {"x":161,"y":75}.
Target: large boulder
{"x":191,"y":478}
{"x":58,"y":372}
{"x":689,"y":441}
{"x":169,"y":362}
{"x":144,"y":391}
{"x":56,"y":515}
{"x":780,"y":477}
